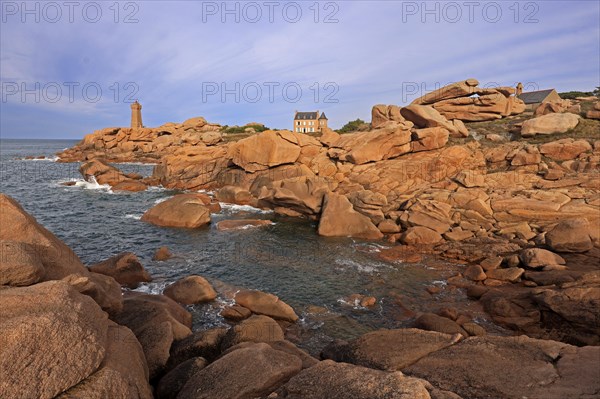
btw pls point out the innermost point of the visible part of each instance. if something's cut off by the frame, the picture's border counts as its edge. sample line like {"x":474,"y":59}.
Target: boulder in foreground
{"x":250,"y":372}
{"x":55,"y":342}
{"x":56,"y":257}
{"x":333,"y":380}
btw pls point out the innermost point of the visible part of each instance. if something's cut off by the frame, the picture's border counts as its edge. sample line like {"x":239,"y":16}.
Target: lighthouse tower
{"x":136,"y":115}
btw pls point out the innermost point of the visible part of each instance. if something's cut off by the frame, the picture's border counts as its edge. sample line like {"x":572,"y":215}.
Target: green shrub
{"x":242,"y":129}
{"x":353,"y":126}
{"x":572,"y":95}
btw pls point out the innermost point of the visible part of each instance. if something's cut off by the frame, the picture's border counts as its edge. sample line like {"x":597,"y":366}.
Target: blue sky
{"x":177,"y":58}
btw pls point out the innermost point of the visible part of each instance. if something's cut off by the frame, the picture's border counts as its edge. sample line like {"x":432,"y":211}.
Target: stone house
{"x":534,"y":99}
{"x":309,"y":122}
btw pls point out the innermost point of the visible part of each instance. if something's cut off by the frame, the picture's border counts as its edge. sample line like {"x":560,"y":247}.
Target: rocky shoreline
{"x":75,"y":333}
{"x":512,"y":199}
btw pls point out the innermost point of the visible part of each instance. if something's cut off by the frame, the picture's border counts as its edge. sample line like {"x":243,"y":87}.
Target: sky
{"x":69,"y":68}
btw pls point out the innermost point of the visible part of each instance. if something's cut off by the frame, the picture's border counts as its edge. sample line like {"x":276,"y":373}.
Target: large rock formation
{"x":388,"y":141}
{"x":268,"y":149}
{"x":143,"y":144}
{"x":423,"y":116}
{"x":467,"y":102}
{"x":459,"y":89}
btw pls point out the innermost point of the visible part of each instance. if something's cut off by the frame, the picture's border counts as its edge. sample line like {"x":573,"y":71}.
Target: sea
{"x":313,"y":274}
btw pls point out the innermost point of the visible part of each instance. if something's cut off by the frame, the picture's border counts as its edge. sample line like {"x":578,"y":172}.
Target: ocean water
{"x":311,"y":273}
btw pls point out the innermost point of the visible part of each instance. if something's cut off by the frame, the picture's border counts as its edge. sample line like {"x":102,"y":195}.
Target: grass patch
{"x":586,"y":129}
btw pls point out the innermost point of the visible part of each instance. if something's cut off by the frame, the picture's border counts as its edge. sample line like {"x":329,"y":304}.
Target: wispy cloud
{"x":374,"y":49}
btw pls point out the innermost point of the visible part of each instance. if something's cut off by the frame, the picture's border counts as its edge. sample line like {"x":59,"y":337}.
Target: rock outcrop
{"x":98,"y":171}
{"x":387,"y":141}
{"x":339,"y":219}
{"x":143,"y":144}
{"x":269,"y":149}
{"x":467,"y":102}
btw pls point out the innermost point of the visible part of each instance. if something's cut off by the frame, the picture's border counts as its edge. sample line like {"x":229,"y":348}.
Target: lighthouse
{"x":136,"y":115}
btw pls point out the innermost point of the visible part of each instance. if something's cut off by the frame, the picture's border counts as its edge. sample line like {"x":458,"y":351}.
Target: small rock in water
{"x":162,"y":254}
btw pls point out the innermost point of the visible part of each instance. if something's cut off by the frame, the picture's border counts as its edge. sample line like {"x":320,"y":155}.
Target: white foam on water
{"x":440,"y":282}
{"x":91,"y":185}
{"x":360,"y":267}
{"x":45,"y":159}
{"x":135,"y":163}
{"x":354,"y":304}
{"x":158,"y":201}
{"x":156,"y":188}
{"x":152,"y":288}
{"x":370,"y":248}
{"x":233,"y":208}
{"x":251,"y":226}
{"x":133,"y":216}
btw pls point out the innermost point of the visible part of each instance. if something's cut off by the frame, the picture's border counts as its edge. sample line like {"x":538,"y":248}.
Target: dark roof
{"x":323,"y":116}
{"x":306,"y":115}
{"x":534,"y":97}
